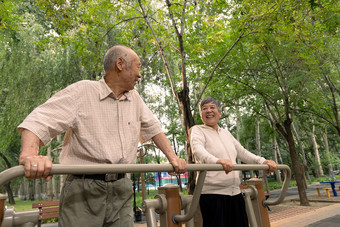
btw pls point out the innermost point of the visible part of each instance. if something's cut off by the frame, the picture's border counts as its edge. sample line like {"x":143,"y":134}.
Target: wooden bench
{"x":47,"y":210}
{"x":318,"y":190}
{"x":327,"y":191}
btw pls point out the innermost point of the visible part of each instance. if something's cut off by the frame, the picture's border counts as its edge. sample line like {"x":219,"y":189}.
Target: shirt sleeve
{"x":197,"y":141}
{"x":244,"y":155}
{"x":150,"y":126}
{"x":54,"y":116}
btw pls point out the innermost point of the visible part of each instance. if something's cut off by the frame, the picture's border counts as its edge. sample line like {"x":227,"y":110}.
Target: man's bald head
{"x":116,"y":52}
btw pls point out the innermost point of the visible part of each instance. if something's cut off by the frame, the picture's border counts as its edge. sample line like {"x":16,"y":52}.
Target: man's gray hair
{"x":114,"y":53}
{"x":211,"y":100}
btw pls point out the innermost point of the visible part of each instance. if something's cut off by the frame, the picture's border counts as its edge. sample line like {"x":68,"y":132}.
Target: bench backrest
{"x":47,"y":210}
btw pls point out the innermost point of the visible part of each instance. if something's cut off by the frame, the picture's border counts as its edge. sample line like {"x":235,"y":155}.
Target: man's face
{"x":132,"y":73}
{"x":210,"y":115}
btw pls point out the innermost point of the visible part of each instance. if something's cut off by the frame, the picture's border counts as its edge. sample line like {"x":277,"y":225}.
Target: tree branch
{"x":172,"y":82}
{"x":215,"y":68}
{"x":180,"y":41}
{"x":125,"y":20}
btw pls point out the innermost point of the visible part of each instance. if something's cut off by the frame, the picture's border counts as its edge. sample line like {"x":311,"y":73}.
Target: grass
{"x":23,"y":205}
{"x":275,"y":185}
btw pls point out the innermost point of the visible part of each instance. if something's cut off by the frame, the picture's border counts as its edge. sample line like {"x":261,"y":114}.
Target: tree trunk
{"x":278,"y":152}
{"x":61,"y":177}
{"x":258,"y":146}
{"x":295,"y":161}
{"x":49,"y":184}
{"x":302,"y":150}
{"x":44,"y":189}
{"x":142,"y":174}
{"x":36,"y":188}
{"x":238,"y":126}
{"x":54,"y":188}
{"x":178,"y":176}
{"x":39,"y":189}
{"x":325,"y":139}
{"x":31,"y":190}
{"x":9,"y":194}
{"x":275,"y":153}
{"x":258,"y":137}
{"x":22,"y":189}
{"x":246,"y":145}
{"x":183,"y":95}
{"x":8,"y":185}
{"x":61,"y":184}
{"x":316,"y":150}
{"x":188,"y":121}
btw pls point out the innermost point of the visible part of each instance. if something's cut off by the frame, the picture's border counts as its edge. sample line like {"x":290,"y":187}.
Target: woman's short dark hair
{"x":209,"y":100}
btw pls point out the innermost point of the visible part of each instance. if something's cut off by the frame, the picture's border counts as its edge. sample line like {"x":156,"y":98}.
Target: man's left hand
{"x":180,"y":166}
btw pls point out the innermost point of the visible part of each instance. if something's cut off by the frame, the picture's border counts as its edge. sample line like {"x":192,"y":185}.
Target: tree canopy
{"x":277,"y":61}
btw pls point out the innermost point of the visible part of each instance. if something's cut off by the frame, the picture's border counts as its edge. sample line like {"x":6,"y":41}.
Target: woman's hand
{"x":271,"y":164}
{"x":228,"y":166}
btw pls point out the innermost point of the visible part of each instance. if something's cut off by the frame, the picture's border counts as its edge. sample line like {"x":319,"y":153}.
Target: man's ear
{"x":120,"y":64}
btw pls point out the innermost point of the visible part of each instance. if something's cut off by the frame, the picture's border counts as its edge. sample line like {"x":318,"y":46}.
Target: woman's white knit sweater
{"x":209,"y":146}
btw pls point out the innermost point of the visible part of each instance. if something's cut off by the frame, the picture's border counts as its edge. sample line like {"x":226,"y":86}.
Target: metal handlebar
{"x":18,"y":171}
{"x":216,"y":167}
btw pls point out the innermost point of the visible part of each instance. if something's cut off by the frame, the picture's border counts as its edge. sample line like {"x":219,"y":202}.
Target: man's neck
{"x":115,"y":87}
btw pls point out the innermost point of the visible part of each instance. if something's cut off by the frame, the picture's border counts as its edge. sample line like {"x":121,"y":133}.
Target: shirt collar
{"x":210,"y":128}
{"x":105,"y":91}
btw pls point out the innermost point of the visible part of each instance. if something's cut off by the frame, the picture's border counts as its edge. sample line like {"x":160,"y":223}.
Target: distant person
{"x":221,"y":201}
{"x":104,"y":121}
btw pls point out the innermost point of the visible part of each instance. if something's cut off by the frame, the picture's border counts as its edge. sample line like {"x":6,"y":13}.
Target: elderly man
{"x":104,"y":121}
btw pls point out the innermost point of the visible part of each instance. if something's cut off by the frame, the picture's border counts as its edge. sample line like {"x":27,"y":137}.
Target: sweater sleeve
{"x":197,"y":141}
{"x":244,"y":155}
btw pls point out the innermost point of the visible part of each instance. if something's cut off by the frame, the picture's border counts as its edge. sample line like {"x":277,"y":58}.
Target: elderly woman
{"x":221,"y":201}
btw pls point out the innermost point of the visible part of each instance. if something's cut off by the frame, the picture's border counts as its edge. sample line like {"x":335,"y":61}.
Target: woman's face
{"x":210,"y":115}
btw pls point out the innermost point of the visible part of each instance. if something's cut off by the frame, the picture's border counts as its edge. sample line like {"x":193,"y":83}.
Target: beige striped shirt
{"x":99,"y":127}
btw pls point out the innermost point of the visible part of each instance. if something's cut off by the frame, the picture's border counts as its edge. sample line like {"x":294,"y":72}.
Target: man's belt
{"x":109,"y":177}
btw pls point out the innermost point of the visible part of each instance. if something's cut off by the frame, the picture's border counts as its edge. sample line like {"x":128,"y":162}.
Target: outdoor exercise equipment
{"x":172,"y":215}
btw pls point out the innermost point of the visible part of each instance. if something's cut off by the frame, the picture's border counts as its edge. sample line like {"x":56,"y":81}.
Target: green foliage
{"x":330,"y":159}
{"x":33,"y":66}
{"x":275,"y":185}
{"x":9,"y":16}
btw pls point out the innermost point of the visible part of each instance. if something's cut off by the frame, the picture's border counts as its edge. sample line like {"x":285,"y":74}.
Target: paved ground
{"x":323,"y":212}
{"x":328,"y":216}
